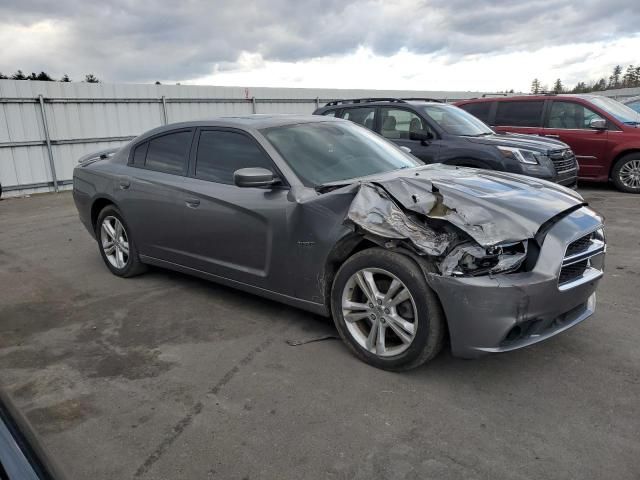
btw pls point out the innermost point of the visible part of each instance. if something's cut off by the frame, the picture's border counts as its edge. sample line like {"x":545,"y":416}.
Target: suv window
{"x":168,"y":153}
{"x":519,"y":114}
{"x":479,"y":110}
{"x":398,"y":123}
{"x":330,"y":113}
{"x":221,"y":153}
{"x":362,"y":116}
{"x":570,"y":115}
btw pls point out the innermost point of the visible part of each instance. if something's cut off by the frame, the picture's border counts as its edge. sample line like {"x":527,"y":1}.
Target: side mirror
{"x":421,"y":135}
{"x":256,"y":177}
{"x":598,"y":124}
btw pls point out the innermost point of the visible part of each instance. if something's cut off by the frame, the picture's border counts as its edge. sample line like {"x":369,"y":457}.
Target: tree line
{"x":44,"y":77}
{"x":617,"y":79}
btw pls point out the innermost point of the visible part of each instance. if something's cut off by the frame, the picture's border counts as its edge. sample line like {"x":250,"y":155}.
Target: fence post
{"x":164,"y":110}
{"x":317,"y":103}
{"x":48,"y":140}
{"x":253,"y":104}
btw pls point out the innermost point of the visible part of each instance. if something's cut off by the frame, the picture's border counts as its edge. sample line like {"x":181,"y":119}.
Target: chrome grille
{"x":563,"y":160}
{"x":583,"y":260}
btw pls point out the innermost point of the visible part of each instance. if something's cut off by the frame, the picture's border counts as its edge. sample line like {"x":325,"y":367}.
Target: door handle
{"x":551,"y":135}
{"x":192,"y":202}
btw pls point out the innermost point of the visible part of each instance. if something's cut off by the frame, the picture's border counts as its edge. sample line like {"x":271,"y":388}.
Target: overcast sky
{"x":404,"y":44}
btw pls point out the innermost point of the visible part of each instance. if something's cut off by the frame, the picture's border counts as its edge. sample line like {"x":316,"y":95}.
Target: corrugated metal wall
{"x":82,"y":118}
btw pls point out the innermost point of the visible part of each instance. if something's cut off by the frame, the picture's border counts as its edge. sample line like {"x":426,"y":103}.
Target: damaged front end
{"x":427,"y":229}
{"x":492,"y":246}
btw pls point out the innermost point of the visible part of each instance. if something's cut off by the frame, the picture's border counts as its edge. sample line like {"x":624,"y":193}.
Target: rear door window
{"x":570,"y":115}
{"x":221,"y":153}
{"x":140,"y":154}
{"x":398,"y":123}
{"x":362,"y":115}
{"x":168,"y":153}
{"x":519,"y":113}
{"x":479,"y":110}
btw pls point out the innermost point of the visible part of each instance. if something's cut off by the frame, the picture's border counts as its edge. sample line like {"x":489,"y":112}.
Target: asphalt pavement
{"x":164,"y":376}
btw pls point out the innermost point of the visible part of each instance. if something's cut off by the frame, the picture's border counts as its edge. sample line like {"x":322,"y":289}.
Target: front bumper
{"x":546,"y":170}
{"x":505,"y":312}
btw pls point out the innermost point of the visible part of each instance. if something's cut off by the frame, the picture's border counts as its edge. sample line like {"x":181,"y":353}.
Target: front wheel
{"x":626,"y":173}
{"x":385,"y":311}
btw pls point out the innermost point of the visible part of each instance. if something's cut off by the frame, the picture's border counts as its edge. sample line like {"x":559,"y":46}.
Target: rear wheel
{"x":626,"y":173}
{"x":385,"y":311}
{"x":117,"y":247}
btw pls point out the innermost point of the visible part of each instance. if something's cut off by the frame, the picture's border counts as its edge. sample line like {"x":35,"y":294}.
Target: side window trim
{"x":491,"y":120}
{"x":162,"y":134}
{"x":193,"y":156}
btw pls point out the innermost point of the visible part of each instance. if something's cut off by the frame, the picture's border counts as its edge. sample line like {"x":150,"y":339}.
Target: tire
{"x":626,"y":173}
{"x":420,"y":310}
{"x":119,"y":262}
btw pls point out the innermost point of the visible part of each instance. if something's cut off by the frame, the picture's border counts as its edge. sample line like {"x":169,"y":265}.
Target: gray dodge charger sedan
{"x":326,"y":215}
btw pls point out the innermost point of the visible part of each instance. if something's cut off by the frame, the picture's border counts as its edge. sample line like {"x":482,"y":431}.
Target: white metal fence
{"x":46,"y":126}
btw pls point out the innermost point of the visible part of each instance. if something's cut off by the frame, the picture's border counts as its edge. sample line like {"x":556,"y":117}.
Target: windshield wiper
{"x":632,"y":122}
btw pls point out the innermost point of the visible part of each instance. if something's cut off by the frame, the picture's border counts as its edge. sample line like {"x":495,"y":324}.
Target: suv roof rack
{"x":436,"y":100}
{"x":364,"y":100}
{"x":379,"y":99}
{"x":485,"y":95}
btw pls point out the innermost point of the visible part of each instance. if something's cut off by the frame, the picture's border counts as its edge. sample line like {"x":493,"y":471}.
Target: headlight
{"x":472,"y":260}
{"x":520,"y":154}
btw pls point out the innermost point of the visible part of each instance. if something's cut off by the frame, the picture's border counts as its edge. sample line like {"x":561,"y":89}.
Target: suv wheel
{"x":117,"y":246}
{"x":385,"y":311}
{"x":626,"y":173}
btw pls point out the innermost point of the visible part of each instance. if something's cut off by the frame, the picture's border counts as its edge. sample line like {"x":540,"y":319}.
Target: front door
{"x":231,"y":231}
{"x":568,"y":121}
{"x":396,"y":124}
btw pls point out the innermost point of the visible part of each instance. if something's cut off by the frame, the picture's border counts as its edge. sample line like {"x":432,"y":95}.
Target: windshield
{"x":619,"y":111}
{"x":456,"y":121}
{"x":324,"y":152}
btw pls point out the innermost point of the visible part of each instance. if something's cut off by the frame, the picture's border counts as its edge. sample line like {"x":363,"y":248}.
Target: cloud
{"x":129,"y":40}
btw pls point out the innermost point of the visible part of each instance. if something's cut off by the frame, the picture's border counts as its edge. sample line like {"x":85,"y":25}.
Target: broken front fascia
{"x":374,"y":210}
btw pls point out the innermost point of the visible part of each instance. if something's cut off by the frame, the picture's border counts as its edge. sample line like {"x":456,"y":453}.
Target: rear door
{"x":396,"y":124}
{"x":152,"y":197}
{"x":518,"y":116}
{"x":232,"y":231}
{"x":568,"y":121}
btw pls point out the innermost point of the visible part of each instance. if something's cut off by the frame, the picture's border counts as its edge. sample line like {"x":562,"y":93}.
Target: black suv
{"x":436,"y":132}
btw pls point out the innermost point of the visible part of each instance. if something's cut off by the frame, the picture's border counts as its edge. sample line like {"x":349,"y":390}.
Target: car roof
{"x":542,"y":96}
{"x":255,"y":121}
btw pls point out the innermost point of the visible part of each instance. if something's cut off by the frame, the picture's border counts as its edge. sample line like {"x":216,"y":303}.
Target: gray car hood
{"x":531,"y":142}
{"x":491,"y":207}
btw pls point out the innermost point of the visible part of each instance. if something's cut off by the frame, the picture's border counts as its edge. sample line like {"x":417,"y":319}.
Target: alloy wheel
{"x":379,"y":312}
{"x":629,"y":174}
{"x":115,"y":243}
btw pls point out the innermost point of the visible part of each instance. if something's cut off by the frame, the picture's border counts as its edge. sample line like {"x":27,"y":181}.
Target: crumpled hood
{"x":492,"y":207}
{"x":531,"y":142}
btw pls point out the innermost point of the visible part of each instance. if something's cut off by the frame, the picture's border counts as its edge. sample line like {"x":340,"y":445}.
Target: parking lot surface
{"x":164,"y":376}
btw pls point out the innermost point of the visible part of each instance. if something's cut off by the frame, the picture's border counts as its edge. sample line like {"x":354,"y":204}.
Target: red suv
{"x":603,"y":133}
